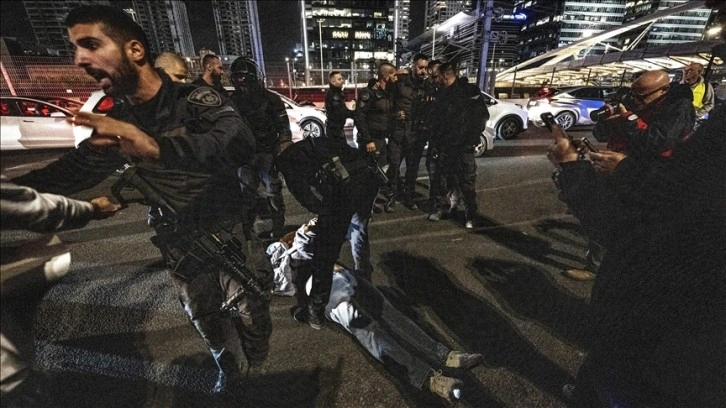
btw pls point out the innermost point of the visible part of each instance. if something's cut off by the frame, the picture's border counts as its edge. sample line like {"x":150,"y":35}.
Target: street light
{"x":320,"y":33}
{"x":433,"y":42}
{"x":289,"y":81}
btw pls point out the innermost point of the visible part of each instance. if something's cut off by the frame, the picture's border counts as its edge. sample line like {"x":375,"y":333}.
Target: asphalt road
{"x":112,"y":332}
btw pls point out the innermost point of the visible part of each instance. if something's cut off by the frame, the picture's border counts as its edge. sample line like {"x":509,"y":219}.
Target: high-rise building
{"x":352,"y":36}
{"x":682,"y":27}
{"x":456,"y":34}
{"x":438,"y":11}
{"x":401,"y":17}
{"x":552,"y":24}
{"x":166,"y":25}
{"x":47,"y":20}
{"x":238,"y":29}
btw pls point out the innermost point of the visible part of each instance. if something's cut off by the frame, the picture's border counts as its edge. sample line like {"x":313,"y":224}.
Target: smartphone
{"x":548,"y":119}
{"x":585,"y":141}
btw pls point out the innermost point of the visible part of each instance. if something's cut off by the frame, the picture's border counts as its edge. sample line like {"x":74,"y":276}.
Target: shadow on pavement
{"x":530,"y":294}
{"x":532,"y":247}
{"x":479,"y":326}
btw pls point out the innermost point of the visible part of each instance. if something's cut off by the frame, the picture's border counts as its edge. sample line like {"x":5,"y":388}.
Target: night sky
{"x":279,"y":25}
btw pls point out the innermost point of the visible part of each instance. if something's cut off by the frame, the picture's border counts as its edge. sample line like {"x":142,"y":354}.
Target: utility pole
{"x":289,"y":77}
{"x":320,"y":32}
{"x":482,"y":82}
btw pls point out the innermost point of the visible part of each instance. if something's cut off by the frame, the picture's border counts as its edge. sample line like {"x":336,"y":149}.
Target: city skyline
{"x":279,"y":25}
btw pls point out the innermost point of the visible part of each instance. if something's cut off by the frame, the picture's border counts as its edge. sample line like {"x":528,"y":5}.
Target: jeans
{"x":359,"y":246}
{"x":386,"y":333}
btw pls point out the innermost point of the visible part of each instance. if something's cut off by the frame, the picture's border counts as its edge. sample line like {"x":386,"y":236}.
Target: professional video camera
{"x":612,"y":105}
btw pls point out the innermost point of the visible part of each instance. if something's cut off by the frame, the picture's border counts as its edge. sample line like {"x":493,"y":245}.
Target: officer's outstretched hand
{"x":110,"y":132}
{"x":562,"y":149}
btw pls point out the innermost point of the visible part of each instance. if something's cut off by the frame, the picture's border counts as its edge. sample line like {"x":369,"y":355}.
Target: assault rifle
{"x":227,"y":252}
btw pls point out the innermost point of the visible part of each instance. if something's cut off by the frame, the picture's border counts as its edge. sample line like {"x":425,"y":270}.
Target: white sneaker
{"x":469,"y":225}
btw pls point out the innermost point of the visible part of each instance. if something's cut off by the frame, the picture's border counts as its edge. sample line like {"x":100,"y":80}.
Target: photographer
{"x":649,"y":119}
{"x":643,"y":123}
{"x":655,"y":332}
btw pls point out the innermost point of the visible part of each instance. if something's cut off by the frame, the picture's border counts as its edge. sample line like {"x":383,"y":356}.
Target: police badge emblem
{"x":205,"y":96}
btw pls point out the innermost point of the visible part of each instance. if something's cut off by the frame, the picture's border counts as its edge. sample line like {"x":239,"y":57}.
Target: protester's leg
{"x":372,"y":302}
{"x":381,"y":345}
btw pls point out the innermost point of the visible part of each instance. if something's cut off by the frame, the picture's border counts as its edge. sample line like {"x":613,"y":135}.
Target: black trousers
{"x":454,"y":165}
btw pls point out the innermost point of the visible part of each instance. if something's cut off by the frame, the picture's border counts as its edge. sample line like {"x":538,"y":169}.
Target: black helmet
{"x":245,"y":70}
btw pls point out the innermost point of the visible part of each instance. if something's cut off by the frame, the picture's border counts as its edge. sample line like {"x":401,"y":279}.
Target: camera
{"x":612,"y":105}
{"x":605,"y":112}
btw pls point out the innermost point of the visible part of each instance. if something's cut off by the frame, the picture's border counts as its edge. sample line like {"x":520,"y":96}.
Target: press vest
{"x":698,"y":92}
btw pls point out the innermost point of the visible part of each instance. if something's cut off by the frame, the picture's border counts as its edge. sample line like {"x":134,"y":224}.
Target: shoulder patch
{"x":205,"y":96}
{"x":364,"y":96}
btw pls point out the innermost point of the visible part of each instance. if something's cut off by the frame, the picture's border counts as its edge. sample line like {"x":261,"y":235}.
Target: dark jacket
{"x":336,"y":111}
{"x":410,"y":95}
{"x":301,"y":162}
{"x":217,"y":86}
{"x":202,"y":142}
{"x":653,"y":132}
{"x":459,"y":117}
{"x":374,"y":112}
{"x":266,"y":115}
{"x":657,"y":302}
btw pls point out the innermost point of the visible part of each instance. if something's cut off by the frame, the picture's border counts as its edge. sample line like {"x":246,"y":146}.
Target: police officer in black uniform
{"x":265,"y":113}
{"x":374,"y":119}
{"x":342,"y":176}
{"x":412,"y":91}
{"x":335,"y":108}
{"x":459,"y":119}
{"x":187,"y":143}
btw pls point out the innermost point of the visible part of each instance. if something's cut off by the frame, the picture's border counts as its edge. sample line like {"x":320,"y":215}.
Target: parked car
{"x":304,"y":120}
{"x":33,"y":123}
{"x":308,"y":118}
{"x":570,"y":106}
{"x":506,"y":119}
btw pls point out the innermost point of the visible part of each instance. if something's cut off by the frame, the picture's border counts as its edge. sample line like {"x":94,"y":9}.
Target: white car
{"x":308,"y":118}
{"x":570,"y":106}
{"x":34,"y":123}
{"x":506,"y":119}
{"x":304,"y":120}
